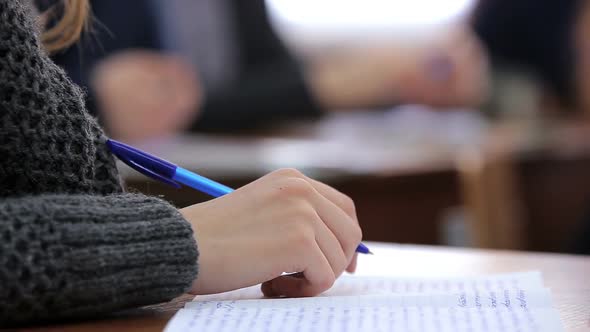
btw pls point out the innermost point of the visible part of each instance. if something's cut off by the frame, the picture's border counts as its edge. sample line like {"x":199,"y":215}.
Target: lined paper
{"x":512,"y":302}
{"x":352,"y":285}
{"x":338,"y":318}
{"x":487,"y":299}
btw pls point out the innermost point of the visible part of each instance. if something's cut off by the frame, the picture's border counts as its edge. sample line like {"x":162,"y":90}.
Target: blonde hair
{"x":67,"y":30}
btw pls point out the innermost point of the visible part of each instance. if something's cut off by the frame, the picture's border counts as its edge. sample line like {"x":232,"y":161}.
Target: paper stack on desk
{"x":507,"y":302}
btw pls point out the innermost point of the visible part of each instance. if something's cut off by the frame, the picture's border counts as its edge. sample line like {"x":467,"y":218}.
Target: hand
{"x":143,"y":94}
{"x":451,"y":72}
{"x":282,"y":222}
{"x":454,"y":72}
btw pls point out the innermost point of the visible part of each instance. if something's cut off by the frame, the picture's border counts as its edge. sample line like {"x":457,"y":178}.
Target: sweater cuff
{"x":122,"y":251}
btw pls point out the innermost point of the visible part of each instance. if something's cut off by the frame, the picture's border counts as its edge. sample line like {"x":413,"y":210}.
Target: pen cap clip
{"x":136,"y":159}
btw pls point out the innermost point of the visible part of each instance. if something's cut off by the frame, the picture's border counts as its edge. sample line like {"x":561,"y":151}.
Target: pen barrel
{"x":201,"y":183}
{"x":363,"y":249}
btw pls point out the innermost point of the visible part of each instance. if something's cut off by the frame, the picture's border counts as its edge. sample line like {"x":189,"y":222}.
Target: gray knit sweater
{"x":72,"y":244}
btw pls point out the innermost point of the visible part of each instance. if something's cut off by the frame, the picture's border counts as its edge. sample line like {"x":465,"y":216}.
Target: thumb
{"x":292,"y":285}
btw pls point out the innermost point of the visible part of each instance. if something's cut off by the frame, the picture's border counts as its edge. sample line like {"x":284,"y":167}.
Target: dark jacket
{"x":270,"y":84}
{"x":536,"y":35}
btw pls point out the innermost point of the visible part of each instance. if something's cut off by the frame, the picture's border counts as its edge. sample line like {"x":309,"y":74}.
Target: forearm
{"x":359,"y":79}
{"x":67,"y":256}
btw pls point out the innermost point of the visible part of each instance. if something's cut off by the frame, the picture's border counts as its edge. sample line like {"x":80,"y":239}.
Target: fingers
{"x":315,"y":278}
{"x":351,"y":268}
{"x":330,"y":244}
{"x":336,"y":234}
{"x":345,"y":227}
{"x":338,"y":198}
{"x":335,"y":209}
{"x":268,"y":287}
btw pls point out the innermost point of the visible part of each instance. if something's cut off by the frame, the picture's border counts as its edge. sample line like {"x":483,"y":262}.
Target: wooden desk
{"x":568,"y":276}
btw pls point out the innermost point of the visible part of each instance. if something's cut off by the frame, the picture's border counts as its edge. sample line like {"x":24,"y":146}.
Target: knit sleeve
{"x":71,"y":243}
{"x":64,"y":256}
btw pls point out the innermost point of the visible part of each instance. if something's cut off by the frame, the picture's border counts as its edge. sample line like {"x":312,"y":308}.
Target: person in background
{"x":74,"y":245}
{"x":247,"y":76}
{"x":550,"y":40}
{"x":581,"y":237}
{"x":148,"y":91}
{"x":535,"y":37}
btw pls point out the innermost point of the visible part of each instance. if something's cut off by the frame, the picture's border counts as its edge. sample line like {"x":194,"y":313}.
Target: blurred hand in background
{"x":452,"y":72}
{"x":146,"y":94}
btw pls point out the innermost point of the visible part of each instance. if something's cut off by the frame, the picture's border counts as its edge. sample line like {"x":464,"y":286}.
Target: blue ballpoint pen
{"x":166,"y":172}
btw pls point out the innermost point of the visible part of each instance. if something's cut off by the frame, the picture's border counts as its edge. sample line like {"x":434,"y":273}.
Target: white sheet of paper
{"x":516,"y":310}
{"x":426,"y":319}
{"x":517,"y":298}
{"x":351,"y":285}
{"x":511,"y":302}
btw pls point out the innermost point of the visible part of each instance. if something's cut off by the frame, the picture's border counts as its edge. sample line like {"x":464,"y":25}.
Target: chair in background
{"x":529,"y":197}
{"x":491,"y":196}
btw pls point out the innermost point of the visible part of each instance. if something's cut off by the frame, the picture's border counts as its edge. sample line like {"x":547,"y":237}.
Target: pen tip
{"x":370,"y":253}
